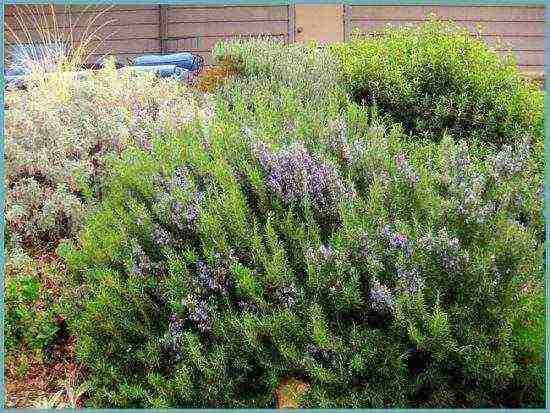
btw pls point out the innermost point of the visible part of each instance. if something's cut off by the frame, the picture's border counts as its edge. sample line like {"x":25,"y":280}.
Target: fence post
{"x":163,"y":27}
{"x":347,"y":22}
{"x":291,"y":23}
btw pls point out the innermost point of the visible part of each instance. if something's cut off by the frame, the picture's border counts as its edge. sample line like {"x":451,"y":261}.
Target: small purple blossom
{"x":142,"y":264}
{"x":506,"y":163}
{"x":288,"y":295}
{"x":180,"y":179}
{"x":412,"y":280}
{"x":175,"y":330}
{"x":339,"y":143}
{"x":245,"y":306}
{"x":405,"y":169}
{"x":540,"y":192}
{"x":462,"y":160}
{"x":447,"y":249}
{"x":397,"y":240}
{"x":198,"y":313}
{"x":205,"y":274}
{"x":322,"y":255}
{"x":386,"y":232}
{"x":326,"y":252}
{"x":294,"y":175}
{"x":145,"y":144}
{"x":162,"y":237}
{"x":214,"y":277}
{"x":191,"y":215}
{"x":381,"y":297}
{"x":175,"y":213}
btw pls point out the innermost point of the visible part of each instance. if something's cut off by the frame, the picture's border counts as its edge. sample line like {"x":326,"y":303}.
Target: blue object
{"x":18,"y":71}
{"x":184,"y":60}
{"x":161,"y":70}
{"x":16,"y":81}
{"x":37,"y":52}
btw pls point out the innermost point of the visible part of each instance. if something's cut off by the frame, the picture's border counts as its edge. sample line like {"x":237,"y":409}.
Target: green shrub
{"x":313,"y":72}
{"x":438,"y":77}
{"x":30,"y":305}
{"x":382,"y":270}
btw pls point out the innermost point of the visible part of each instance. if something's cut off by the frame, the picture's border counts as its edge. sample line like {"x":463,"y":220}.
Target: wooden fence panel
{"x":197,"y":28}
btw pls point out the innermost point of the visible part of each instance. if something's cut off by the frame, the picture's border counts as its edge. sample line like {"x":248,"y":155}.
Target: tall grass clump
{"x":46,"y":45}
{"x":318,"y":242}
{"x":438,"y":77}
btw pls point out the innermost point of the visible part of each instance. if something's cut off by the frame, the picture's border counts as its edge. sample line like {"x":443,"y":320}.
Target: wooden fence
{"x":130,"y":30}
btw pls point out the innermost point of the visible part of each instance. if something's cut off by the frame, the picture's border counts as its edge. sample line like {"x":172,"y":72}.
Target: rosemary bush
{"x":318,"y":241}
{"x":439,"y":77}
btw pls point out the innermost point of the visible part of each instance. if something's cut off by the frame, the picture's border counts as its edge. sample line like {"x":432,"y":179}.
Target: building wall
{"x":128,"y":30}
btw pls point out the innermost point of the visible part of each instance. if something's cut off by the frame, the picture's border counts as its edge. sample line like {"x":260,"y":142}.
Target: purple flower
{"x":462,"y":160}
{"x":381,"y":297}
{"x":294,"y":175}
{"x":162,"y":237}
{"x":454,"y":243}
{"x":180,"y":179}
{"x":145,"y":144}
{"x":142,"y":264}
{"x":540,"y":191}
{"x":400,"y":160}
{"x":506,"y":164}
{"x":340,"y":142}
{"x":412,"y":280}
{"x":191,"y":215}
{"x":175,"y":330}
{"x":177,"y":208}
{"x":405,"y":169}
{"x":205,"y":275}
{"x":358,"y":150}
{"x":326,"y":252}
{"x":198,"y":313}
{"x":247,"y":307}
{"x":448,"y":250}
{"x":288,"y":295}
{"x":398,"y":240}
{"x":469,"y":196}
{"x":320,"y":256}
{"x":483,"y":213}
